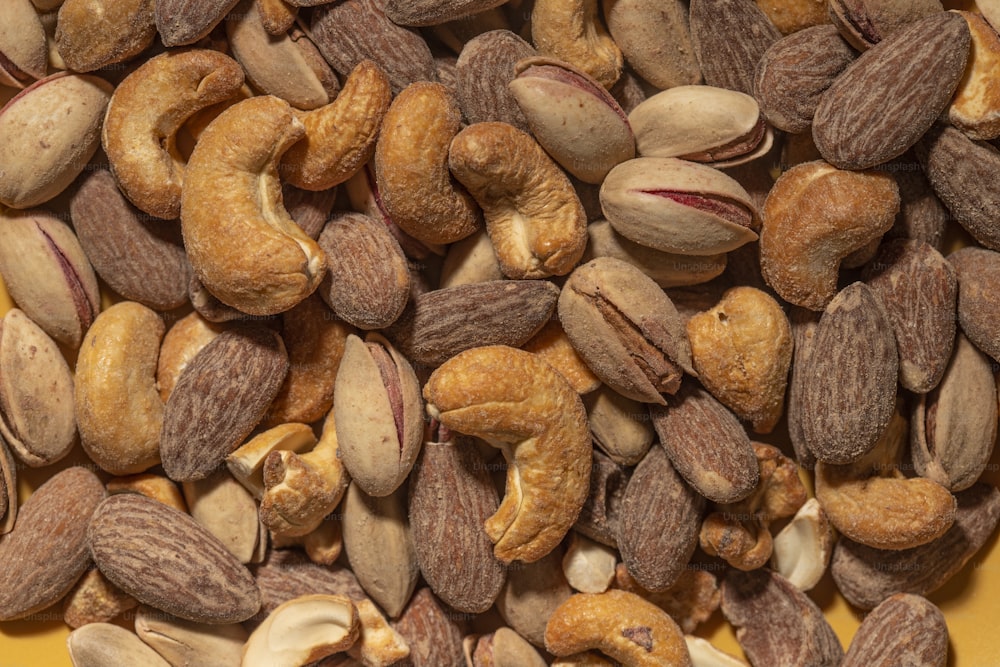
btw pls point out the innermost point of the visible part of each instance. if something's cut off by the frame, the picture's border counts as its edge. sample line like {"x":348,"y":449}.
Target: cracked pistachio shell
{"x":378,"y":414}
{"x":678,"y":206}
{"x":705,"y":124}
{"x":36,"y":392}
{"x":573,"y":117}
{"x":48,"y":274}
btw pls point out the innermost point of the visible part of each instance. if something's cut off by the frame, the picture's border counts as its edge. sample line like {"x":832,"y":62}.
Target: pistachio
{"x":573,"y":117}
{"x":678,"y":206}
{"x":23,"y":54}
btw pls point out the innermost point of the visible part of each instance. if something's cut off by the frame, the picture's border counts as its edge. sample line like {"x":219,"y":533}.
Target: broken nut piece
{"x":303,"y":630}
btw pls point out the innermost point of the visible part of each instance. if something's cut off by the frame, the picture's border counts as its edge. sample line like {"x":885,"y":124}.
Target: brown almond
{"x":438,"y":325}
{"x":777,"y":624}
{"x":451,"y":495}
{"x":220,"y":396}
{"x":656,"y":552}
{"x":484,"y":68}
{"x":601,"y":512}
{"x":978,"y":296}
{"x":707,"y":444}
{"x":892,"y":94}
{"x":46,"y":553}
{"x":729,"y":39}
{"x":164,"y":558}
{"x":182,"y":22}
{"x":919,"y":290}
{"x":368,"y":280}
{"x":904,"y":629}
{"x":853,"y":370}
{"x":866,"y":576}
{"x":433,"y":633}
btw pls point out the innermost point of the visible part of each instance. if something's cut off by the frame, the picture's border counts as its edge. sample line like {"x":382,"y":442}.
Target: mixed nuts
{"x":538,"y":332}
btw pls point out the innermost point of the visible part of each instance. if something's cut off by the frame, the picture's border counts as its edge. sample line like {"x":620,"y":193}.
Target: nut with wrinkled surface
{"x":620,"y":426}
{"x":902,"y":629}
{"x":572,"y":31}
{"x":742,"y":350}
{"x":533,"y":215}
{"x":125,"y":30}
{"x":521,"y":405}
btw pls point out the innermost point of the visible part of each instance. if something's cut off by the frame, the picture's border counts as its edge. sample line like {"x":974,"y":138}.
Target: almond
{"x":47,"y":552}
{"x":904,"y":629}
{"x":164,"y":558}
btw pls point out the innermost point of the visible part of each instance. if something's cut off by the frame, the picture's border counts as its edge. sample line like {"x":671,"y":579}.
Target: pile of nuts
{"x":467,"y":332}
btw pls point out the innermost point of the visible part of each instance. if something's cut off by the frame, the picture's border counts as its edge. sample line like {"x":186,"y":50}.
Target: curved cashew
{"x":521,"y":405}
{"x":738,"y":532}
{"x":340,"y":136}
{"x":232,"y":193}
{"x":148,"y":108}
{"x":300,"y":490}
{"x":533,"y":215}
{"x":814,"y":217}
{"x":303,"y":630}
{"x":411,"y":166}
{"x":622,"y":625}
{"x":573,"y":31}
{"x":803,"y":548}
{"x":872,"y":502}
{"x":247,"y":462}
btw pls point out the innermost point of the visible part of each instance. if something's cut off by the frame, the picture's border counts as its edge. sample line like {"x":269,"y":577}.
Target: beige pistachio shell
{"x":22,"y":45}
{"x":678,"y":206}
{"x":573,"y":117}
{"x":703,"y":124}
{"x":36,"y":392}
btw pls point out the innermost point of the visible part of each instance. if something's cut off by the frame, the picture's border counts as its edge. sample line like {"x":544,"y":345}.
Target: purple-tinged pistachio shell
{"x":573,"y":117}
{"x":47,"y":274}
{"x":678,"y":206}
{"x":704,"y":124}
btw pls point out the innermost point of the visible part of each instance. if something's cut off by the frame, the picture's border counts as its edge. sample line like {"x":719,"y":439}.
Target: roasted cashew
{"x":572,"y":30}
{"x":303,"y":630}
{"x":521,"y":405}
{"x":622,"y":625}
{"x":233,"y":193}
{"x":148,"y":108}
{"x":533,"y":215}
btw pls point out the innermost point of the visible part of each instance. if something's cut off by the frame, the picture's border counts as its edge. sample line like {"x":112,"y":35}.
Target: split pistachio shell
{"x":8,"y":488}
{"x":379,"y":414}
{"x":190,"y":643}
{"x":678,"y":206}
{"x":36,"y":392}
{"x":573,"y":117}
{"x":47,"y":273}
{"x":98,"y":644}
{"x":703,"y":124}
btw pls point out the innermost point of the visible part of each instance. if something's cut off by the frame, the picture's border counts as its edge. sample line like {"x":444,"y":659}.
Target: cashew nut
{"x":521,"y":405}
{"x":247,"y":462}
{"x":589,"y":566}
{"x":303,"y":630}
{"x":872,"y":502}
{"x":803,"y":548}
{"x":533,"y":215}
{"x":232,"y":194}
{"x":573,"y":31}
{"x":300,"y":490}
{"x":148,"y":108}
{"x":621,"y":625}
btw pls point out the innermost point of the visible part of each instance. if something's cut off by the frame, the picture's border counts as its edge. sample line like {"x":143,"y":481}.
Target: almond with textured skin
{"x":182,"y":22}
{"x":707,"y":444}
{"x":904,"y":629}
{"x":164,"y":558}
{"x":451,"y":496}
{"x":221,"y":395}
{"x":978,"y":296}
{"x":660,"y":518}
{"x":434,"y":12}
{"x":484,"y":68}
{"x":777,"y":624}
{"x":887,"y":98}
{"x":919,"y":290}
{"x":854,"y":369}
{"x":866,"y":576}
{"x":47,"y":552}
{"x":434,"y":634}
{"x":354,"y":30}
{"x":729,"y":39}
{"x":438,"y":325}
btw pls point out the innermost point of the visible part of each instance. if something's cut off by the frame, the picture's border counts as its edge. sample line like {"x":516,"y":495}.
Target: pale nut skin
{"x":814,"y":217}
{"x":147,"y":109}
{"x":48,"y":133}
{"x":124,"y":30}
{"x":573,"y":117}
{"x":642,"y":28}
{"x":742,"y":351}
{"x":303,"y":630}
{"x":705,"y":124}
{"x":678,"y":206}
{"x":872,"y":502}
{"x":411,"y":166}
{"x":521,"y":405}
{"x":151,"y":485}
{"x":234,"y":193}
{"x":23,"y":45}
{"x":533,"y":215}
{"x":622,"y":625}
{"x":96,"y":644}
{"x":180,"y":344}
{"x":572,"y":30}
{"x":119,"y":412}
{"x":340,"y":137}
{"x":803,"y":548}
